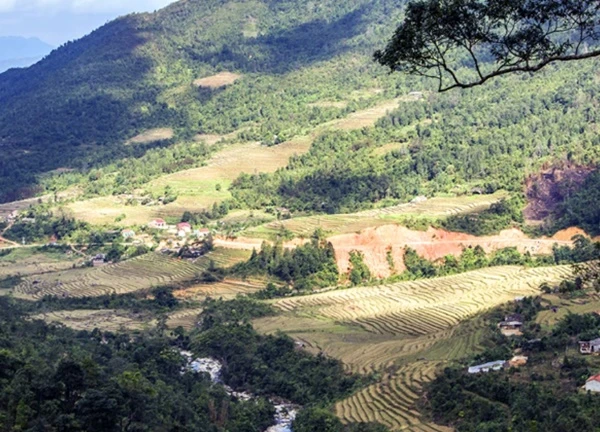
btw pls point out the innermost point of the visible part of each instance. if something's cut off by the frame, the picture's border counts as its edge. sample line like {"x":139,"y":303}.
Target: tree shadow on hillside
{"x":290,"y":49}
{"x":64,"y":109}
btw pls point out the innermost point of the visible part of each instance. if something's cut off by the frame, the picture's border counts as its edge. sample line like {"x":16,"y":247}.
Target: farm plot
{"x":105,"y":320}
{"x":27,"y":261}
{"x":426,"y":306}
{"x":137,"y":274}
{"x":405,"y":331}
{"x":434,"y":208}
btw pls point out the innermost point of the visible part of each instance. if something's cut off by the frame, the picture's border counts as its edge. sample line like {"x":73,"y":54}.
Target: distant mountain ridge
{"x":16,"y":51}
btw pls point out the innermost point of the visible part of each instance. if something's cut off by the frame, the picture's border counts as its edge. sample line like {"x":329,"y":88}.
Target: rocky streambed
{"x":285,"y":411}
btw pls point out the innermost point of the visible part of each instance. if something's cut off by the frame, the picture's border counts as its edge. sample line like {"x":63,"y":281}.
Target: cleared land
{"x":27,"y":261}
{"x":145,"y":272}
{"x":433,"y":208}
{"x":152,"y":135}
{"x":433,"y":244}
{"x":196,"y":188}
{"x":217,"y":81}
{"x":405,"y":331}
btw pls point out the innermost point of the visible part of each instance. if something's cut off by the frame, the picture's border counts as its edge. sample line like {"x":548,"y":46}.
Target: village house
{"x":512,"y":325}
{"x":185,"y":227}
{"x":128,"y":233}
{"x":99,"y":260}
{"x":589,"y":347}
{"x":158,"y":224}
{"x":202,"y":233}
{"x":593,"y":384}
{"x":486,"y":367}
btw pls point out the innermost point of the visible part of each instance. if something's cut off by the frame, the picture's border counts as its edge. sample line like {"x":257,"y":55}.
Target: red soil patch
{"x":432,"y":244}
{"x":548,"y":189}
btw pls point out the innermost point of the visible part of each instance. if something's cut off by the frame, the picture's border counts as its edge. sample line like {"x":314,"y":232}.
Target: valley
{"x":240,"y":181}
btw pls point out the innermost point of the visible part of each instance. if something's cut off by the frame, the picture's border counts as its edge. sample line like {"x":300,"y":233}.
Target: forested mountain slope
{"x":78,"y":106}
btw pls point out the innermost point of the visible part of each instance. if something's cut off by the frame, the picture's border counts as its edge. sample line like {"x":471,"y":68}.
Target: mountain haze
{"x":16,"y":52}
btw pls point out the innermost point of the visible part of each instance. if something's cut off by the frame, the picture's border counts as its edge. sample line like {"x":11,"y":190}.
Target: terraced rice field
{"x":227,"y":289}
{"x":434,"y":208}
{"x":426,"y":306}
{"x":137,"y":274}
{"x":407,"y":332}
{"x":392,"y":400}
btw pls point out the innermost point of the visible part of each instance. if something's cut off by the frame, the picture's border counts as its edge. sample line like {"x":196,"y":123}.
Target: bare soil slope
{"x":432,"y":244}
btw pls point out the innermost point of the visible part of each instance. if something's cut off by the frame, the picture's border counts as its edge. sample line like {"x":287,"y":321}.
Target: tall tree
{"x":438,"y":38}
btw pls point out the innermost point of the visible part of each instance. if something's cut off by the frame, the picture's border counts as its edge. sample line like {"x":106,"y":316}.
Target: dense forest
{"x":56,"y":379}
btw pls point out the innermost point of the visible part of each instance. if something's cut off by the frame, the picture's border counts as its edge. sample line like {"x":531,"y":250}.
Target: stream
{"x":285,"y":412}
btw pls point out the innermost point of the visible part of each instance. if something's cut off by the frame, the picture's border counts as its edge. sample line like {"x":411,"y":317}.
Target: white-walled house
{"x":593,"y":384}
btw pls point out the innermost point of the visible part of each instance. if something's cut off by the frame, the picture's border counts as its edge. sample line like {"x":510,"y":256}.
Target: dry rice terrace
{"x":435,"y":208}
{"x":144,"y":272}
{"x":405,"y":331}
{"x":25,"y":262}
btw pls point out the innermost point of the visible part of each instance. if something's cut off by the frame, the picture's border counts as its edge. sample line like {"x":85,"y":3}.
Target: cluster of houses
{"x":182,"y":229}
{"x":512,"y":325}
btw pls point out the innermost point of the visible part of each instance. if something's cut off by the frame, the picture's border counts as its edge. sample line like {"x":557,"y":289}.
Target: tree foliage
{"x":490,"y":38}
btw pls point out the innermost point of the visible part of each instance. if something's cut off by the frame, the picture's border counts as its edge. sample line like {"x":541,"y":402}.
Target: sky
{"x":58,"y":21}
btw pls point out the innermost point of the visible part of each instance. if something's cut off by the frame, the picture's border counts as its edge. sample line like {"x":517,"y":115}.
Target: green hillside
{"x":68,"y":120}
{"x":76,"y":108}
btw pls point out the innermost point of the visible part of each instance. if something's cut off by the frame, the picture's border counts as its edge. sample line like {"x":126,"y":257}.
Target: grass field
{"x":217,"y":81}
{"x":197,"y":189}
{"x":404,"y":332}
{"x":105,"y":320}
{"x":148,"y":271}
{"x":29,"y":261}
{"x":435,"y":208}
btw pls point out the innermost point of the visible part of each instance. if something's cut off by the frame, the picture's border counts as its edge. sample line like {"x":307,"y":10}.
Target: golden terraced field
{"x":144,"y":272}
{"x":406,"y":332}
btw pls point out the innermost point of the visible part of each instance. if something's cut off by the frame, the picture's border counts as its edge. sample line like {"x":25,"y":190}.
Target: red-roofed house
{"x":185,"y":227}
{"x":593,"y":384}
{"x":158,"y":224}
